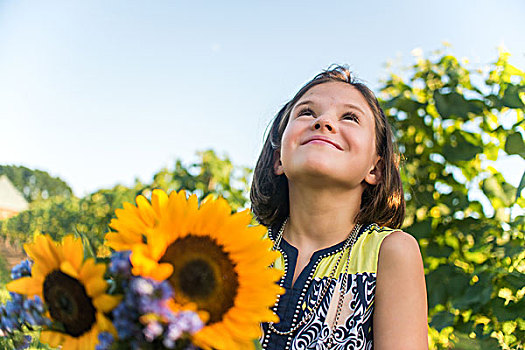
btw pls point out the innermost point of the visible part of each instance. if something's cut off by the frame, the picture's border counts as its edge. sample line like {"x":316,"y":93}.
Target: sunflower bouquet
{"x":181,"y":275}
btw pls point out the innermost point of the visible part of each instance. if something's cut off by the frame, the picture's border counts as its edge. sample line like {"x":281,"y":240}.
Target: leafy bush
{"x":451,"y":124}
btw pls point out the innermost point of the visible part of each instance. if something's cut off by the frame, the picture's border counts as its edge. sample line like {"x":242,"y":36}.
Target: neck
{"x":321,"y":217}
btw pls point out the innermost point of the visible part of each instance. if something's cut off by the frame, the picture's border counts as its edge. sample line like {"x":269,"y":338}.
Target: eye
{"x":305,"y":112}
{"x":351,"y":116}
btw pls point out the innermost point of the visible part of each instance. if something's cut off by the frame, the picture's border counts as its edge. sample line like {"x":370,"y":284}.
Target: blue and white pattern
{"x":354,"y":325}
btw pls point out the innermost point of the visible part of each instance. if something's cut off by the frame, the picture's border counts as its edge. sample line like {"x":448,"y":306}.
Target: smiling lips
{"x":323,"y":140}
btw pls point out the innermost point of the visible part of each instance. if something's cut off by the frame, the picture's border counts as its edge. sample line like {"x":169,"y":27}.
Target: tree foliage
{"x":90,"y":216}
{"x":451,"y":123}
{"x":212,"y":175}
{"x":35,"y":184}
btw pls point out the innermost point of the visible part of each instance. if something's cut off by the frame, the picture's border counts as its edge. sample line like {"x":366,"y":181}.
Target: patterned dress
{"x":354,"y":326}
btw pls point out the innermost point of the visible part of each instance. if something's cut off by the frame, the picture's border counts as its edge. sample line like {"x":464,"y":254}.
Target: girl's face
{"x":330,"y":139}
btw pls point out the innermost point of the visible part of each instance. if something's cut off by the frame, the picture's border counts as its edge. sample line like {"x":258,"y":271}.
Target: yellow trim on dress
{"x":363,"y":258}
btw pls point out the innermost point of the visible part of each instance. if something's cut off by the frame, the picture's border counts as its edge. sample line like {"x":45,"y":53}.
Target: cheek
{"x":365,"y":146}
{"x":369,"y":141}
{"x":289,"y":139}
{"x":372,"y":151}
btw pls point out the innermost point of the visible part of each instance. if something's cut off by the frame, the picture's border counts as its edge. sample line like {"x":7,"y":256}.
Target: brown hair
{"x":382,"y":203}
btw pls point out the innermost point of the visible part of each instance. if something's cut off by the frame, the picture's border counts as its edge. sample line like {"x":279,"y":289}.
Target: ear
{"x":277,"y":164}
{"x":374,"y":174}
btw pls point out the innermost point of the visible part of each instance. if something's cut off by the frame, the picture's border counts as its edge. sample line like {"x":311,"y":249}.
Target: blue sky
{"x":102,"y":92}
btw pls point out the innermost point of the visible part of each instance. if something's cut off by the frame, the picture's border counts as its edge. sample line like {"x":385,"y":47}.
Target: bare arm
{"x":400,"y":316}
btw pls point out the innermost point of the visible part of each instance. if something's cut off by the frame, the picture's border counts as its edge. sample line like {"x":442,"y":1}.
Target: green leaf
{"x":421,"y":229}
{"x":439,"y":251}
{"x":442,"y":319}
{"x":514,"y":280}
{"x":495,"y":188}
{"x":513,"y":248}
{"x":511,"y":97}
{"x":403,"y":104}
{"x":477,"y":295}
{"x":508,"y":312}
{"x":89,"y":252}
{"x":464,"y":342}
{"x":456,"y":200}
{"x":459,"y":149}
{"x":489,"y":344}
{"x":452,"y":104}
{"x":515,"y":145}
{"x":445,"y":283}
{"x":520,"y":186}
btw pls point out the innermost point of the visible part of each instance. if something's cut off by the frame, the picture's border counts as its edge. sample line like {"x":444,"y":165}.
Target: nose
{"x":323,"y":124}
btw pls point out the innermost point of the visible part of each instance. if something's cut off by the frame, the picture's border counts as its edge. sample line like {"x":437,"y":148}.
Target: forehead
{"x":336,"y":93}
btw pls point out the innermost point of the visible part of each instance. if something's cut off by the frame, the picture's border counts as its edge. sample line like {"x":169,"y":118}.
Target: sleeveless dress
{"x":354,"y":326}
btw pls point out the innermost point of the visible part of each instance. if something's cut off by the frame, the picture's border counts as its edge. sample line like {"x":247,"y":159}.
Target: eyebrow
{"x":348,"y":105}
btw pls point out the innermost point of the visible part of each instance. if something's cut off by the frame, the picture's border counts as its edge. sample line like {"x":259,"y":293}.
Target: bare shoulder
{"x":399,"y":247}
{"x":400,"y":316}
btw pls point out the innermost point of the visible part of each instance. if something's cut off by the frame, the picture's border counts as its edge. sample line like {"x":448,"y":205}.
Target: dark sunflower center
{"x":203,"y":273}
{"x":196,"y":278}
{"x":69,"y":303}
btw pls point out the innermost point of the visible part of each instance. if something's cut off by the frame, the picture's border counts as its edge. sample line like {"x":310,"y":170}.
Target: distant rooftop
{"x":10,"y":197}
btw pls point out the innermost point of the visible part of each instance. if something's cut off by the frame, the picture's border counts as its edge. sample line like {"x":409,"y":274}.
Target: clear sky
{"x":101,"y":92}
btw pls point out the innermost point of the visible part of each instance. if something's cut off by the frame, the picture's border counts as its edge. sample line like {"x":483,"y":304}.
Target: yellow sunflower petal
{"x":51,"y":338}
{"x":94,"y":339}
{"x":71,"y":343}
{"x":95,"y":287}
{"x":141,"y":260}
{"x":25,"y":285}
{"x":176,"y":212}
{"x":147,"y":213}
{"x":91,"y":338}
{"x":199,"y":343}
{"x":211,"y":216}
{"x":132,"y":214}
{"x":239,"y":330}
{"x":73,"y":251}
{"x":105,"y":325}
{"x":43,"y":251}
{"x":159,"y":201}
{"x":68,"y":268}
{"x":39,"y":272}
{"x":123,"y":226}
{"x":129,"y":219}
{"x":162,"y":272}
{"x":210,"y":336}
{"x":122,"y":240}
{"x":106,"y":303}
{"x":157,"y":244}
{"x":91,"y":270}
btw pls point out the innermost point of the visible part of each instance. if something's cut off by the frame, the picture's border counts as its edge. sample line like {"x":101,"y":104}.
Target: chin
{"x":316,"y":168}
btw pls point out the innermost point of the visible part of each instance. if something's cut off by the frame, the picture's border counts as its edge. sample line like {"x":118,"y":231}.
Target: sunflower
{"x":215,"y":262}
{"x":73,"y":290}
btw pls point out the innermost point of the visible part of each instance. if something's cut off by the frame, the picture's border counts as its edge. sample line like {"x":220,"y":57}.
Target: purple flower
{"x":22,"y":270}
{"x":191,"y":321}
{"x":17,"y":314}
{"x":143,"y":287}
{"x":105,"y":341}
{"x":153,"y":330}
{"x":33,"y":312}
{"x":180,"y":324}
{"x":120,"y":265}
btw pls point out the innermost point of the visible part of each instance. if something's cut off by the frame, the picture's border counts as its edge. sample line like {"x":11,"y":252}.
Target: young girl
{"x":328,"y":188}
